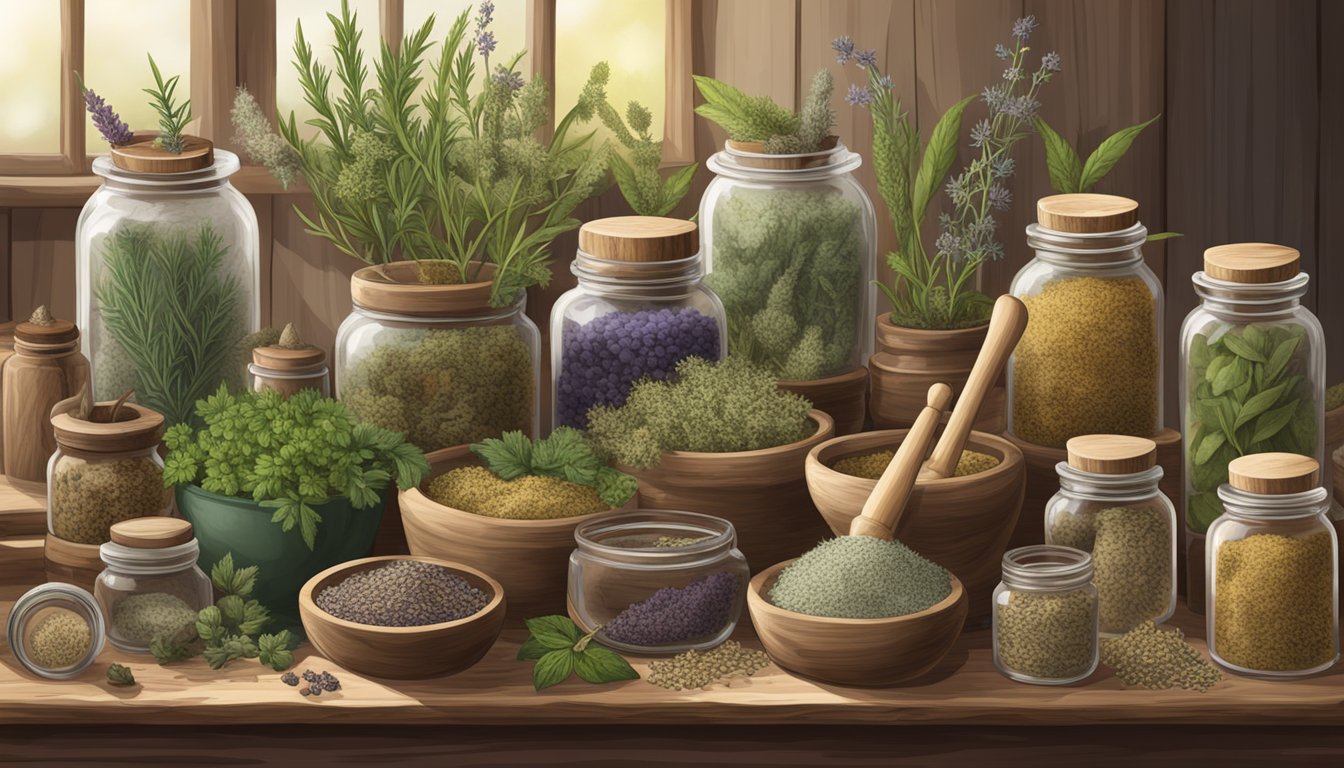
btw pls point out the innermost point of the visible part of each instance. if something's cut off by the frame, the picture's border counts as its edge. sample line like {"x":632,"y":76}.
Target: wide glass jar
{"x":1252,"y":372}
{"x":1109,"y":505}
{"x":106,"y":469}
{"x":1272,"y":570}
{"x":151,"y":586}
{"x":1090,"y":360}
{"x":45,"y":369}
{"x":640,"y":308}
{"x":657,"y":582}
{"x":167,"y":275}
{"x":56,"y":631}
{"x":437,"y":362}
{"x":789,"y":243}
{"x":1045,"y":616}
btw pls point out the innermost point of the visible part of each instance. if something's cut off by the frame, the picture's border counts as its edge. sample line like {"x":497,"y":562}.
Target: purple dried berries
{"x":675,"y":614}
{"x":289,"y":678}
{"x":316,"y":683}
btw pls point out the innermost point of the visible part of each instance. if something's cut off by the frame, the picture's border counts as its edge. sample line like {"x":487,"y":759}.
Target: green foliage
{"x":252,"y":132}
{"x":760,"y":119}
{"x":172,"y":308}
{"x":1334,"y":397}
{"x":288,"y":454}
{"x":120,"y":675}
{"x":560,"y":651}
{"x":715,"y":408}
{"x":173,"y":117}
{"x":640,"y":182}
{"x":566,"y":454}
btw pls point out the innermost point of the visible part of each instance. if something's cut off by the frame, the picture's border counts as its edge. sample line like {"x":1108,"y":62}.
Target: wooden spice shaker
{"x":46,"y":368}
{"x":6,"y":352}
{"x":289,"y":365}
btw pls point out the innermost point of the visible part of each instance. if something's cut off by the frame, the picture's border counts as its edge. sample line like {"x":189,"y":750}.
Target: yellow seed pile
{"x":676,"y":542}
{"x":86,"y":499}
{"x":1131,"y":556}
{"x":1049,"y":635}
{"x":701,"y":669}
{"x":59,"y":640}
{"x":1088,"y":361}
{"x":871,"y":465}
{"x":1157,"y":659}
{"x":479,"y":491}
{"x":1274,"y":604}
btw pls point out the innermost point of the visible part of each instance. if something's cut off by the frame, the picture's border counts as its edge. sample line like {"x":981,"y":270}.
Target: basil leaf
{"x":1256,"y":336}
{"x":553,"y":668}
{"x":1228,"y":378}
{"x":554,"y":632}
{"x":599,"y":664}
{"x":1272,"y":422}
{"x":1278,"y":359}
{"x":1208,"y":446}
{"x":1061,"y":161}
{"x":938,"y":156}
{"x":1216,"y":366}
{"x":1109,"y":152}
{"x":531,"y":650}
{"x":1258,"y":404}
{"x":1242,"y":348}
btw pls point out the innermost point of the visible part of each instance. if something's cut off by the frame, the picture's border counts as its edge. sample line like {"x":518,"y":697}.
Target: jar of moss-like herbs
{"x":1109,"y":505}
{"x":1090,"y":360}
{"x":56,"y":630}
{"x":152,"y":586}
{"x":1045,"y":616}
{"x":1272,"y":570}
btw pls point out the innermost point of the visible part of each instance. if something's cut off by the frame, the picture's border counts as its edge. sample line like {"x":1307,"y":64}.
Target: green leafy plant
{"x":120,"y":675}
{"x":760,"y":119}
{"x":565,"y":454}
{"x":289,"y":454}
{"x":173,"y":117}
{"x":561,"y":651}
{"x":639,"y":179}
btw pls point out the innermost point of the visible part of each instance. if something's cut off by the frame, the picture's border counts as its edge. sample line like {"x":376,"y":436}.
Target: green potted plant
{"x":292,"y":485}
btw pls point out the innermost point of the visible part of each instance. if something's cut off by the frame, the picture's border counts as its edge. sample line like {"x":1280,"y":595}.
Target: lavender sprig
{"x":109,"y":124}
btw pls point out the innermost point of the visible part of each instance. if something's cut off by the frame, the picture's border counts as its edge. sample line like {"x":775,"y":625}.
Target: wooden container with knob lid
{"x":46,"y":368}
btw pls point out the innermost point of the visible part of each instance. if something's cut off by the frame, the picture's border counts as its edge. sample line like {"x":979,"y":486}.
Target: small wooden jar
{"x":46,"y":368}
{"x":6,"y":352}
{"x":289,"y":370}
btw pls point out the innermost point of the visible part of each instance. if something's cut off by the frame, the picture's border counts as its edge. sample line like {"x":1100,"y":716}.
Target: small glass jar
{"x":106,"y":469}
{"x":1045,"y":616}
{"x":436,"y":361}
{"x":1249,"y":336}
{"x":1109,"y":505}
{"x":641,"y":307}
{"x":657,"y":582}
{"x":46,"y":368}
{"x":790,"y":243}
{"x":56,"y":630}
{"x":1272,"y":570}
{"x":1090,"y":360}
{"x":288,"y":370}
{"x":151,"y":586}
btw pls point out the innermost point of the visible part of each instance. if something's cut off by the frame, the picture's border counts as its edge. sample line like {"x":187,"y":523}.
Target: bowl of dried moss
{"x":963,"y":523}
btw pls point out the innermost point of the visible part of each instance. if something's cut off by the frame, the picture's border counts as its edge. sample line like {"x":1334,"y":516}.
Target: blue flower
{"x":981,"y":133}
{"x":1050,"y":62}
{"x":859,"y":95}
{"x":1012,"y":74}
{"x":485,"y":43}
{"x":1002,"y":51}
{"x":994,"y":97}
{"x":867,"y":58}
{"x":1000,"y":198}
{"x":1003,"y":167}
{"x":1022,"y":28}
{"x":844,"y":49}
{"x":1022,"y":107}
{"x":885,"y":83}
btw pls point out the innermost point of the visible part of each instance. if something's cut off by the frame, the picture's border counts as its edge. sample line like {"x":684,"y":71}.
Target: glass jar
{"x":1045,"y":616}
{"x":1109,"y":505}
{"x":437,"y":362}
{"x":56,"y":630}
{"x":151,"y":586}
{"x":1272,"y":570}
{"x":288,"y":370}
{"x":657,"y":582}
{"x":1090,"y":360}
{"x":167,"y":276}
{"x":1249,"y":344}
{"x":46,"y":368}
{"x":106,"y":469}
{"x":640,"y":308}
{"x":790,"y":243}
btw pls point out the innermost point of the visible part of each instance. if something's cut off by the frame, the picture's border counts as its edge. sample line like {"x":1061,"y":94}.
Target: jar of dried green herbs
{"x":56,"y":630}
{"x":151,"y":586}
{"x":1090,"y":360}
{"x":1109,"y":505}
{"x":1045,"y":616}
{"x":1272,"y":570}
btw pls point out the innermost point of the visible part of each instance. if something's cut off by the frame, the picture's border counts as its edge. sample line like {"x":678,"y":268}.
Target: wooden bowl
{"x":859,"y":652}
{"x":961,"y":523}
{"x":403,"y":653}
{"x":529,"y":557}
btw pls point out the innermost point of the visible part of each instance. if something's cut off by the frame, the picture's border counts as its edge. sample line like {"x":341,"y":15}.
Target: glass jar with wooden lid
{"x":1109,"y":505}
{"x":1090,"y":361}
{"x":151,"y":586}
{"x":289,"y":365}
{"x":46,"y":368}
{"x":640,"y":307}
{"x":1272,"y":570}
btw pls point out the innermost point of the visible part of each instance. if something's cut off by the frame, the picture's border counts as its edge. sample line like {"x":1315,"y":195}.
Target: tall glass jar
{"x":640,"y":308}
{"x":657,"y":582}
{"x":437,"y":362}
{"x":151,"y":586}
{"x":1090,"y":361}
{"x":790,"y":242}
{"x":1272,"y":570}
{"x":1252,"y":375}
{"x":167,"y":275}
{"x":1045,"y":616}
{"x":1109,"y":505}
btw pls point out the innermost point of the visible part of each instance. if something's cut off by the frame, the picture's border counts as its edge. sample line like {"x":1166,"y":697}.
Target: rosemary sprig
{"x":173,"y":117}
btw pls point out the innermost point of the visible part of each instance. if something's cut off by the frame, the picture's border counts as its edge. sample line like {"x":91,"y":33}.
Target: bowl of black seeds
{"x":402,"y":616}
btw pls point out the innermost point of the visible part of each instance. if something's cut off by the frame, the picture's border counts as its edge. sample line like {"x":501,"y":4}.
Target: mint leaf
{"x":1209,"y":445}
{"x":532,"y":649}
{"x":508,"y":456}
{"x":221,"y":574}
{"x":554,"y":632}
{"x":1242,"y":348}
{"x":274,"y":650}
{"x":1108,"y":153}
{"x":1066,"y":170}
{"x":1271,"y":423}
{"x":553,"y":668}
{"x":599,"y":664}
{"x":1258,"y":404}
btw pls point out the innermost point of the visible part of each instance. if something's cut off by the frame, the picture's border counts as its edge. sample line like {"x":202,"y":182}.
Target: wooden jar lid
{"x":152,"y":532}
{"x":752,"y":154}
{"x":1252,"y":262}
{"x":136,"y":427}
{"x":1087,"y":213}
{"x":55,"y":332}
{"x":640,"y":238}
{"x":283,"y":359}
{"x":1111,"y":454}
{"x":395,"y":288}
{"x":1274,"y":473}
{"x":142,"y":156}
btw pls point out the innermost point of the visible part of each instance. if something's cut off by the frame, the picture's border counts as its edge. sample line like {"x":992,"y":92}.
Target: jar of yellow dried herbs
{"x":1090,"y":361}
{"x":1271,"y":569}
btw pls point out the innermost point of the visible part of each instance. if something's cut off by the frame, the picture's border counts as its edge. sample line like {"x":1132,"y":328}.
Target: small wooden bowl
{"x":870,"y":653}
{"x":403,"y":653}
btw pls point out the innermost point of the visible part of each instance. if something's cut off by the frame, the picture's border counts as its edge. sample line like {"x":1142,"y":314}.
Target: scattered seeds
{"x":860,"y":577}
{"x":1158,"y":659}
{"x":403,"y":593}
{"x":871,"y":465}
{"x":289,"y":678}
{"x":59,"y":640}
{"x":1047,"y":635}
{"x":314,"y":683}
{"x":701,"y":669}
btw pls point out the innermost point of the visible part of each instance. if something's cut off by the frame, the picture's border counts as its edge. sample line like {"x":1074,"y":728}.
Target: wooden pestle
{"x":882,"y":512}
{"x":1006,"y":325}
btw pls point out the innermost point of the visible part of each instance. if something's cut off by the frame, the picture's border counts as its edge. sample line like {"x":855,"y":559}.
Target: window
{"x":630,"y":35}
{"x":312,"y":14}
{"x":30,"y":65}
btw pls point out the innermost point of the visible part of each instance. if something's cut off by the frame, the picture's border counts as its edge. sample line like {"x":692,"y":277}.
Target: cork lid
{"x":143,"y":156}
{"x":395,"y":288}
{"x":1252,"y":262}
{"x":1111,"y":454}
{"x":1087,"y":213}
{"x":640,"y":238}
{"x":42,"y":328}
{"x":152,"y":532}
{"x":290,"y":353}
{"x":1274,"y":473}
{"x":135,"y":427}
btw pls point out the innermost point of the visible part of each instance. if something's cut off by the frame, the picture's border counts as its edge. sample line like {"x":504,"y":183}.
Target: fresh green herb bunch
{"x":641,"y":184}
{"x":560,"y":651}
{"x":566,"y":454}
{"x":715,"y":408}
{"x":760,"y":119}
{"x":290,"y":454}
{"x":173,"y":117}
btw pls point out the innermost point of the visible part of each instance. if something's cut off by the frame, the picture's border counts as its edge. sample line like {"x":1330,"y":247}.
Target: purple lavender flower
{"x":1022,"y":28}
{"x":1012,"y":74}
{"x":1022,"y":107}
{"x":701,"y":609}
{"x":506,"y":77}
{"x":994,"y":97}
{"x":885,"y":83}
{"x":980,"y":133}
{"x":485,"y":14}
{"x":1002,"y":51}
{"x":1000,"y":198}
{"x":108,"y":123}
{"x":1002,"y":167}
{"x":1050,"y":62}
{"x":867,"y":58}
{"x":859,"y":96}
{"x":844,"y":49}
{"x":485,"y":44}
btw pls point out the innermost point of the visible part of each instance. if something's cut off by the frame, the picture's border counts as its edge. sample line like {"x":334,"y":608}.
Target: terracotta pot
{"x":762,"y":493}
{"x":843,"y":397}
{"x":910,"y":360}
{"x":961,"y":523}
